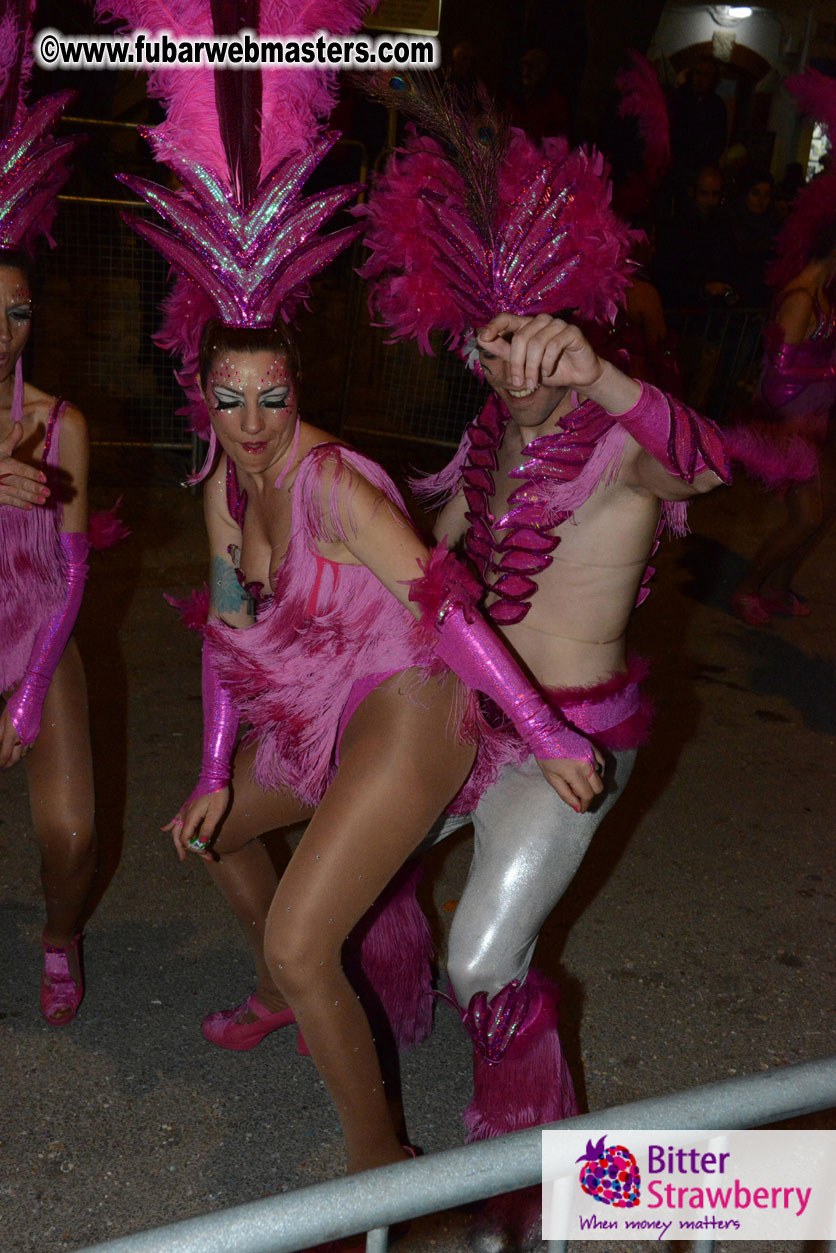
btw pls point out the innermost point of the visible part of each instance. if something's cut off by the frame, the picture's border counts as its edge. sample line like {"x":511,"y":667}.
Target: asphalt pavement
{"x":696,"y":942}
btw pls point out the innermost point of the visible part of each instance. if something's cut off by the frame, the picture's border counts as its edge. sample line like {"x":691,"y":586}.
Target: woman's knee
{"x":295,"y":961}
{"x":72,"y":841}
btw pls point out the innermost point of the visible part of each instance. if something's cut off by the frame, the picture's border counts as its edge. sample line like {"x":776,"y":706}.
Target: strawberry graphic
{"x":610,"y":1175}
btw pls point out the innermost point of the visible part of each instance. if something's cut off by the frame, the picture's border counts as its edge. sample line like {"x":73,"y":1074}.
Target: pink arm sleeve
{"x":481,"y":660}
{"x":676,"y":436}
{"x":784,"y":379}
{"x":220,"y":730}
{"x":27,"y":701}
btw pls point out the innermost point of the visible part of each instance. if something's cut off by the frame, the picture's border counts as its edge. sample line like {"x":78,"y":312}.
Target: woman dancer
{"x":790,"y":443}
{"x":43,"y":553}
{"x":351,"y":709}
{"x":43,"y":543}
{"x":353,"y":717}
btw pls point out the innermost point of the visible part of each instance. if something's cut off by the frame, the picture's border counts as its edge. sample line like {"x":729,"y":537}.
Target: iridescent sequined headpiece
{"x":241,"y":143}
{"x":33,"y":164}
{"x":478,"y":220}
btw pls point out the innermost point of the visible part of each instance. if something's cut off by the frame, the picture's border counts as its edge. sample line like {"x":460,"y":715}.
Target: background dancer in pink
{"x":788,"y":442}
{"x":558,"y":493}
{"x":43,"y":545}
{"x":317,"y":585}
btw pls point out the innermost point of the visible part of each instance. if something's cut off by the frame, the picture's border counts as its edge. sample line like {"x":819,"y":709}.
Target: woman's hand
{"x":11,"y":749}
{"x":196,"y":824}
{"x":21,"y":486}
{"x":576,"y":782}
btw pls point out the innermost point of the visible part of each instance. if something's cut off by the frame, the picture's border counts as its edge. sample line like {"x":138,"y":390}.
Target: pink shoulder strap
{"x":51,"y":451}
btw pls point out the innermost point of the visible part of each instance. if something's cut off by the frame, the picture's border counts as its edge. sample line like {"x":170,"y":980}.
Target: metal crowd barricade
{"x":392,"y":390}
{"x":719,"y":352}
{"x":376,"y":1199}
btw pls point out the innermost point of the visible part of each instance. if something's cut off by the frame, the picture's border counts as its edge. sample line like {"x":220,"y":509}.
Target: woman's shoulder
{"x":40,"y":407}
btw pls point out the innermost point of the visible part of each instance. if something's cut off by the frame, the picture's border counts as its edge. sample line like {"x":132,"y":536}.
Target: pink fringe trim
{"x":393,"y":945}
{"x":531,"y":1084}
{"x":106,"y":529}
{"x":193,"y":609}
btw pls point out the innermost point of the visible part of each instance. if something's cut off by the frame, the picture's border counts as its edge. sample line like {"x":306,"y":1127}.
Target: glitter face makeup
{"x":253,"y":407}
{"x":15,"y":318}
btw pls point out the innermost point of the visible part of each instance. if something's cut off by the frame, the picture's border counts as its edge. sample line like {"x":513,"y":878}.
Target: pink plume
{"x":106,"y":529}
{"x":193,"y":609}
{"x":815,"y":205}
{"x":444,"y":577}
{"x":642,"y":97}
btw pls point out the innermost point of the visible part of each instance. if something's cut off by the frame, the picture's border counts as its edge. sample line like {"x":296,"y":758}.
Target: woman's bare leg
{"x":398,"y":769}
{"x":244,"y":872}
{"x":818,"y":514}
{"x":60,"y":772}
{"x":785,"y":547}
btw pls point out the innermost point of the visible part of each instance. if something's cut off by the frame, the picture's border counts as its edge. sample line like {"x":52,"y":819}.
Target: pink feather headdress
{"x":33,"y":164}
{"x":815,"y":205}
{"x":242,"y":143}
{"x":487,"y":221}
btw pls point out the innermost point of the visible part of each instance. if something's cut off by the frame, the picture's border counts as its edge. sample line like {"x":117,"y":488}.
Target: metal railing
{"x":376,"y":1199}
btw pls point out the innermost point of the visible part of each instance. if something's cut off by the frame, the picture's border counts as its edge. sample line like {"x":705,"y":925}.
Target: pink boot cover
{"x":520,"y":1080}
{"x":520,"y":1076}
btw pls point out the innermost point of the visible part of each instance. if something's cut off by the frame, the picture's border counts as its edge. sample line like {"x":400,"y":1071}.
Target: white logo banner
{"x":689,"y":1185}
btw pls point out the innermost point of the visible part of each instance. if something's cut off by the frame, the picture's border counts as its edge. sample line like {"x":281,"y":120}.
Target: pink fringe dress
{"x":327,"y":636}
{"x":32,"y":576}
{"x":789,"y":424}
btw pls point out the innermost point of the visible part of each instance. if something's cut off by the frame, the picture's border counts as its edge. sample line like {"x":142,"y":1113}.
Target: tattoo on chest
{"x":226,"y":592}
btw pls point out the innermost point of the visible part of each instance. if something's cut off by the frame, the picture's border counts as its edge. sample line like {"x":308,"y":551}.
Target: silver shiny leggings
{"x":528,"y":846}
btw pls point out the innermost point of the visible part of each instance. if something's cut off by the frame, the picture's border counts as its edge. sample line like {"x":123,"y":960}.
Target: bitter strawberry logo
{"x":610,"y":1175}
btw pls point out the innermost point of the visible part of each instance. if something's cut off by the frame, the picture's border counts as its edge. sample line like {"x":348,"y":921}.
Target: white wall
{"x":682,"y":25}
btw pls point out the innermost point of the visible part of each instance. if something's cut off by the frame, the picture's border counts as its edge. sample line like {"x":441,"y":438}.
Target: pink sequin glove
{"x":784,"y":378}
{"x":676,"y":436}
{"x":26,"y":703}
{"x":478,"y":656}
{"x":220,"y":731}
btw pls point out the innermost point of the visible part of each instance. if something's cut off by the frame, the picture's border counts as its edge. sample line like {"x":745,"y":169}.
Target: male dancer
{"x":559,"y":491}
{"x":643,"y":454}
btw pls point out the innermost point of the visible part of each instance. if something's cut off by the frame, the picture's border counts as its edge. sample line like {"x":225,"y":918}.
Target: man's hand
{"x":20,"y":485}
{"x":577,"y":783}
{"x":543,"y":350}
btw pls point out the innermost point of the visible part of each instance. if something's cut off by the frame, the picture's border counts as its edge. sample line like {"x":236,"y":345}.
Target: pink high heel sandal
{"x":226,"y":1029}
{"x":60,"y":994}
{"x":750,"y":608}
{"x":786,"y":607}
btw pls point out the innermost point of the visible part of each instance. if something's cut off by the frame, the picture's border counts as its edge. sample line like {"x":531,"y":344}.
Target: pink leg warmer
{"x":389,"y":960}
